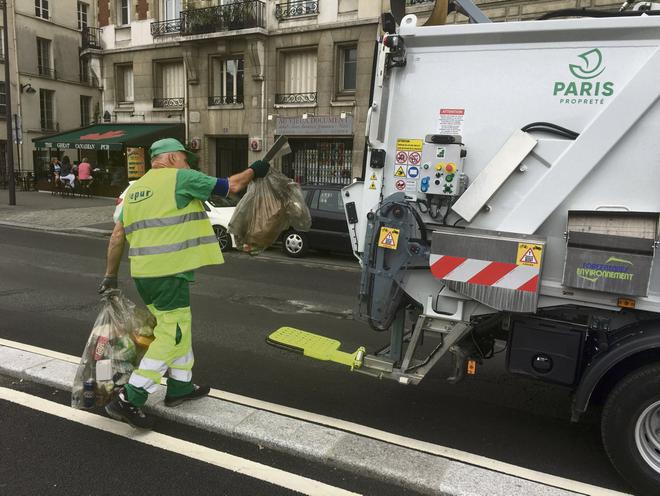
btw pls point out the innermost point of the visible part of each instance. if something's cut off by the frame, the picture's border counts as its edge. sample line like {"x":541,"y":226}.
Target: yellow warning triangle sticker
{"x":373,"y":177}
{"x":529,"y":258}
{"x":400,"y":172}
{"x":372,"y":185}
{"x":388,"y":239}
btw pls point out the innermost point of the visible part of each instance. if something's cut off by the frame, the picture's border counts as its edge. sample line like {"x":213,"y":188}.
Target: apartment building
{"x":231,"y":75}
{"x":53,"y":86}
{"x":239,"y":73}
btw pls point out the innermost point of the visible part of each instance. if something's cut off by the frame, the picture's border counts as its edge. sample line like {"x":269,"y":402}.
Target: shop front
{"x":118,"y":153}
{"x":321,"y":148}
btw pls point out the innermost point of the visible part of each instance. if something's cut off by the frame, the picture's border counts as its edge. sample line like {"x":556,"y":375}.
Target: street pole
{"x":10,"y":142}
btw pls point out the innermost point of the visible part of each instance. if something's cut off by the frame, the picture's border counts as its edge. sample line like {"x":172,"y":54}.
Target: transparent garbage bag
{"x":270,"y":206}
{"x":112,"y":350}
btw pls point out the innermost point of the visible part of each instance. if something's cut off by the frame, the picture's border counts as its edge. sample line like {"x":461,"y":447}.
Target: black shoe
{"x":120,"y":409}
{"x":197,"y":392}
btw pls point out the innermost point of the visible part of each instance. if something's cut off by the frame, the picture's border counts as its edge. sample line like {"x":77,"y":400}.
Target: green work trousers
{"x":168,"y":299}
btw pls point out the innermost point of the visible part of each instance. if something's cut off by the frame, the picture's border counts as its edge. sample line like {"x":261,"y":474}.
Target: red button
{"x":450,"y":168}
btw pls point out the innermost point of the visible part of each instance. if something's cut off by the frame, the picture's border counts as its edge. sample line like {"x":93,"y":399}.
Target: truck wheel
{"x":294,"y":243}
{"x":630,"y":428}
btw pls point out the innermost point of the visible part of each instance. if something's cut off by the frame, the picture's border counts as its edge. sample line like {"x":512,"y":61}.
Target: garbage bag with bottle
{"x":271,"y":205}
{"x":121,"y":335}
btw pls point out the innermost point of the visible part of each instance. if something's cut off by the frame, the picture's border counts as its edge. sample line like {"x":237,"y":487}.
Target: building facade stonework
{"x":53,"y":86}
{"x":235,"y":73}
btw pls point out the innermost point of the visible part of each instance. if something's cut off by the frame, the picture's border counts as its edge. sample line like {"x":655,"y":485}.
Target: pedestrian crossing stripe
{"x":372,"y":185}
{"x":529,"y":254}
{"x":389,"y":238}
{"x":400,"y":172}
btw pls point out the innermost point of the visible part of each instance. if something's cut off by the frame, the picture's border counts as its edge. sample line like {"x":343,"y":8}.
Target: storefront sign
{"x":135,"y":163}
{"x":315,"y":126}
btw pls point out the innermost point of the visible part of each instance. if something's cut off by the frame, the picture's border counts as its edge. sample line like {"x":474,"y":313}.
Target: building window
{"x":226,"y":81}
{"x":124,"y":12}
{"x":84,"y":69}
{"x":124,"y":84}
{"x":85,"y":110}
{"x":297,"y":77}
{"x":171,"y":9}
{"x":43,"y":58}
{"x":47,"y":107}
{"x":296,"y":8}
{"x":2,"y":44}
{"x":3,"y":99}
{"x":82,"y":15}
{"x":347,"y":70}
{"x":41,"y":8}
{"x":169,"y":87}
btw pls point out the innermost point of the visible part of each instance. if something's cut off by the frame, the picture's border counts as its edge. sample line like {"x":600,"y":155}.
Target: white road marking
{"x":380,"y":435}
{"x":226,"y":461}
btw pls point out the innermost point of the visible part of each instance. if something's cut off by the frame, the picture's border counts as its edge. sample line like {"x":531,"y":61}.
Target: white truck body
{"x":504,"y":76}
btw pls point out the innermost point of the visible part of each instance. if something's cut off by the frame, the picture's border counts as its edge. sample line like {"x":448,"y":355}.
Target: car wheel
{"x":630,"y":427}
{"x":223,"y":237}
{"x":294,"y":244}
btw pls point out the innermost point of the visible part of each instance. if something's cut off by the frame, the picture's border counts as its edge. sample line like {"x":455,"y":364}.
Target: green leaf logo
{"x":590,"y":66}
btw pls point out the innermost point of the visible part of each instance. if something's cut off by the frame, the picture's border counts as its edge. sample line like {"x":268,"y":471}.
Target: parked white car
{"x":218,"y":209}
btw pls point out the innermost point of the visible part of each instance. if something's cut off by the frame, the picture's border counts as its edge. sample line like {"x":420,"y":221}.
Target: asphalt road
{"x":47,"y":299}
{"x":41,"y":454}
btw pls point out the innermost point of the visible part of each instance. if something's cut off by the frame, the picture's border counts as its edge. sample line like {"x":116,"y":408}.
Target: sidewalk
{"x":410,"y":464}
{"x":37,"y":210}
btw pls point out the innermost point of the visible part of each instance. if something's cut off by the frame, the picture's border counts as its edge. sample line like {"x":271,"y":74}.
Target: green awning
{"x":111,"y":136}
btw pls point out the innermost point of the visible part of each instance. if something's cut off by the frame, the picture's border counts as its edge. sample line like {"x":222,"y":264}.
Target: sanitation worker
{"x":169,"y":236}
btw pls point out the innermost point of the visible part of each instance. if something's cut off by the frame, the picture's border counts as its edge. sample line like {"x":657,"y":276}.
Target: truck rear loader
{"x":511,"y":202}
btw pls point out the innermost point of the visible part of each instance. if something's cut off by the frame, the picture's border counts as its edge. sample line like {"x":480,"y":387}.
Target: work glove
{"x":108,"y":283}
{"x":260,"y":168}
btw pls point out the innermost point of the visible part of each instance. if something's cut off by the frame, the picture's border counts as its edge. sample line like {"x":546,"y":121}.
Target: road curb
{"x":404,"y":467}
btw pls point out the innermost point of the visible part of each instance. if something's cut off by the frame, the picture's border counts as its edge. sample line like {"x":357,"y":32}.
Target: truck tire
{"x":630,"y":428}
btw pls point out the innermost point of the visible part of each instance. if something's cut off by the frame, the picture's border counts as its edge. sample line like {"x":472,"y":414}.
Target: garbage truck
{"x":511,"y":202}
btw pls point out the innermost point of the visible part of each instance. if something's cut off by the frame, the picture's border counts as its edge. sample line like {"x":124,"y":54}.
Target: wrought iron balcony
{"x":296,"y":9}
{"x":418,"y":2}
{"x":163,"y":28}
{"x":168,"y":102}
{"x":295,"y":98}
{"x":238,"y":15}
{"x":47,"y":72}
{"x":91,"y":38}
{"x":215,"y":101}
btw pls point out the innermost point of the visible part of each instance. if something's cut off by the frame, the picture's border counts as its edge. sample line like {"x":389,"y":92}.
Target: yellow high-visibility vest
{"x":165,"y":240}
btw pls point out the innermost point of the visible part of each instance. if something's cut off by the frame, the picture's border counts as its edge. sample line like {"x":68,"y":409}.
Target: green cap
{"x":168,"y":145}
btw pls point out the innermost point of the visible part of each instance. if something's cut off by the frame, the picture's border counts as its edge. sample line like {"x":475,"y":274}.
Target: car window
{"x":221,"y":201}
{"x":330,"y":200}
{"x":315,"y":199}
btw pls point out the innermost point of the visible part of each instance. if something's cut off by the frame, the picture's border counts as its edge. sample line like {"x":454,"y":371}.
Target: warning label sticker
{"x":372,"y":185}
{"x":414,"y":158}
{"x":401,"y":157}
{"x":373,"y":177}
{"x":411,"y":186}
{"x":388,"y":238}
{"x":529,"y":254}
{"x":399,"y":172}
{"x":409,"y":145}
{"x":451,"y":120}
{"x":400,"y":185}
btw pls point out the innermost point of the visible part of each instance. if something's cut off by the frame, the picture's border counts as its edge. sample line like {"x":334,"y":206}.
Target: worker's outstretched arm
{"x":115,"y":252}
{"x":238,"y":182}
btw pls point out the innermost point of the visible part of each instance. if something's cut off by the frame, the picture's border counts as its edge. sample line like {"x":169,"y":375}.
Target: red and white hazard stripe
{"x":485,"y":272}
